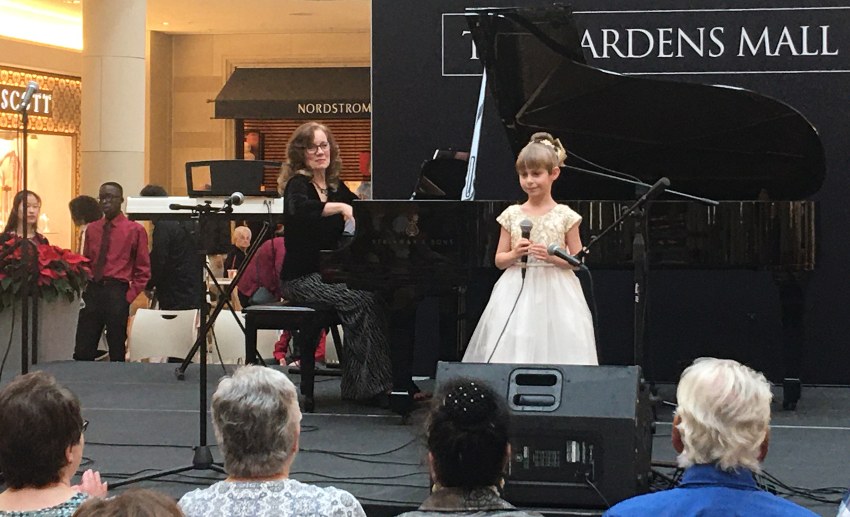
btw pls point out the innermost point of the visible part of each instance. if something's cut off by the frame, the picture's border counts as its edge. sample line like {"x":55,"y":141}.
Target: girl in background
{"x":537,"y":313}
{"x":15,"y":224}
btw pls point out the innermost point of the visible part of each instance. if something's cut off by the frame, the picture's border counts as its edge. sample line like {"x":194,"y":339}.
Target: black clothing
{"x":307,"y":231}
{"x":36,"y":239}
{"x":215,"y":236}
{"x":175,"y":269}
{"x":235,"y":258}
{"x":368,"y":370}
{"x":105,"y":304}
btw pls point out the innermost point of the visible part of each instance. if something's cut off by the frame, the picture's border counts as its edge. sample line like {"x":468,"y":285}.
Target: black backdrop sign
{"x":425,"y":84}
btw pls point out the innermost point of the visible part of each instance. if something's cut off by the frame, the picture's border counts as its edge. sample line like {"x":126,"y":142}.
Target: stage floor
{"x":143,"y":419}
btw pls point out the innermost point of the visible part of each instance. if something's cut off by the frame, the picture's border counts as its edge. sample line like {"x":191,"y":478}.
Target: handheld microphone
{"x":32,"y":87}
{"x":553,"y":249}
{"x":525,"y":226}
{"x":235,"y":199}
{"x":655,"y":190}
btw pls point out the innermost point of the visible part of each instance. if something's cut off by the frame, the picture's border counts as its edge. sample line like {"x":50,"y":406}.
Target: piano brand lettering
{"x":407,"y":242}
{"x":10,"y":101}
{"x":333,"y":108}
{"x":710,"y":42}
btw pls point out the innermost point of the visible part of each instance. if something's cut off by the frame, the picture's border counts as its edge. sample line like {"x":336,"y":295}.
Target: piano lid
{"x":713,"y":141}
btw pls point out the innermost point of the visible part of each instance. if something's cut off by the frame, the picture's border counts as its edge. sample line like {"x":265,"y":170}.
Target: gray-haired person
{"x":257,"y":423}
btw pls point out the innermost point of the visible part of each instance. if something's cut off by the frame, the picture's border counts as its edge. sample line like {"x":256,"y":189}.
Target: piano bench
{"x":305,"y":323}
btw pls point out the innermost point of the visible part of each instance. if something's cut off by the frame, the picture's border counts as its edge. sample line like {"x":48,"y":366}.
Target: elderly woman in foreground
{"x":257,"y":423}
{"x":41,"y":446}
{"x":468,"y":451}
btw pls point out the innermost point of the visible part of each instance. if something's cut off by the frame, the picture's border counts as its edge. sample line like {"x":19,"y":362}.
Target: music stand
{"x":442,"y":177}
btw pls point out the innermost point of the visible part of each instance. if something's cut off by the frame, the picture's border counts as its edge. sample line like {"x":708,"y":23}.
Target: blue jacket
{"x":706,"y":491}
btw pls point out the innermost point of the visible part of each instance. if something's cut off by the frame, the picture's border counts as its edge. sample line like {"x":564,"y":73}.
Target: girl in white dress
{"x":543,"y":318}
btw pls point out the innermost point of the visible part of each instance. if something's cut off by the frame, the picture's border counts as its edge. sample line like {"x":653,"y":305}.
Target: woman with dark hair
{"x":15,"y":224}
{"x":41,"y":446}
{"x":317,"y":208}
{"x":468,"y":451}
{"x":84,"y":210}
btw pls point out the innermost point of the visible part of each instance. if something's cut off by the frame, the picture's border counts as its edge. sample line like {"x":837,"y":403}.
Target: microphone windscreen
{"x":525,"y":226}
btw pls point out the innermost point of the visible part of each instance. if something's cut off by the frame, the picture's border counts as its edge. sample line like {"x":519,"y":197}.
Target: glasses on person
{"x":313,"y":149}
{"x":85,"y":426}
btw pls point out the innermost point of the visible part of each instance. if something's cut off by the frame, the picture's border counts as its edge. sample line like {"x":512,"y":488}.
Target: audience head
{"x":307,"y":151}
{"x":85,"y":210}
{"x":133,"y":503}
{"x":153,"y":191}
{"x":241,"y":237}
{"x":543,"y":151}
{"x":468,"y":435}
{"x":257,"y":422}
{"x":111,"y":196}
{"x":723,"y":415}
{"x":16,"y":216}
{"x":41,"y":440}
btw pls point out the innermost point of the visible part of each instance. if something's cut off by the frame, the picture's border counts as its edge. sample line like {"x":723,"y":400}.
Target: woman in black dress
{"x":316,"y":211}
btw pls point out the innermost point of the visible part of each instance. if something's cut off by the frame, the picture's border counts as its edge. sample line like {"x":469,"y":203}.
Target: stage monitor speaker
{"x":581,"y":436}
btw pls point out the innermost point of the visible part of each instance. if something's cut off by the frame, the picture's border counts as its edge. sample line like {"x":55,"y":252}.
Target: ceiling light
{"x":25,"y":21}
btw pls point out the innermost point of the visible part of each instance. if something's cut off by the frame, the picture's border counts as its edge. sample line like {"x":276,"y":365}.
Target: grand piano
{"x":759,"y":157}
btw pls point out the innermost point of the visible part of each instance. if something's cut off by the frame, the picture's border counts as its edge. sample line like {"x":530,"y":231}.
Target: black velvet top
{"x":305,"y":230}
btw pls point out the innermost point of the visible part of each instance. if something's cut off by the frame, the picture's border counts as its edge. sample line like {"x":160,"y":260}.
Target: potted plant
{"x":56,"y":279}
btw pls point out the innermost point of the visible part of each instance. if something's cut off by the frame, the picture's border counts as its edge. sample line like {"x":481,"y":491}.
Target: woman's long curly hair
{"x":296,"y":156}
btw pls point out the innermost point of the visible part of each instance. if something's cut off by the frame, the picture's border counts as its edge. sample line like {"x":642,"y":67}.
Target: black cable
{"x":374,"y":462}
{"x":507,"y":320}
{"x":361,"y":478}
{"x":362,"y":483}
{"x":369,"y":454}
{"x":159,"y":445}
{"x":772,"y":484}
{"x":593,"y":486}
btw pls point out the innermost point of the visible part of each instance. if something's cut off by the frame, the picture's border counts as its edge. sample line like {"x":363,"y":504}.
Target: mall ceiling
{"x":231,"y":17}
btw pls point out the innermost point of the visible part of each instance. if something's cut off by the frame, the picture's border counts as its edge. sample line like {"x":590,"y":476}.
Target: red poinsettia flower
{"x":47,"y":264}
{"x":47,"y":254}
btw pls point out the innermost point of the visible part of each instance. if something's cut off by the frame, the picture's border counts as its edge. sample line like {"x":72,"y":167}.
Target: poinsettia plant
{"x":54,"y":272}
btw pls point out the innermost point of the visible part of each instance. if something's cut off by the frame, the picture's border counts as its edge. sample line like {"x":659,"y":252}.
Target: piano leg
{"x":402,"y":324}
{"x":793,"y":301}
{"x":306,"y":340}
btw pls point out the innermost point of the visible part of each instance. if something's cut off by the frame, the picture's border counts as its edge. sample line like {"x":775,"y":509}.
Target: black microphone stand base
{"x":202,"y":460}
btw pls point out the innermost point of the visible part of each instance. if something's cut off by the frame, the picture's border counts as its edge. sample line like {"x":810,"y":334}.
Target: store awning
{"x":296,"y":93}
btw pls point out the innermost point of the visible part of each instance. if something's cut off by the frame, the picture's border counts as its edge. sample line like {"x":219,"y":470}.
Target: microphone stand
{"x":202,"y":458}
{"x":25,"y":254}
{"x":640,"y":253}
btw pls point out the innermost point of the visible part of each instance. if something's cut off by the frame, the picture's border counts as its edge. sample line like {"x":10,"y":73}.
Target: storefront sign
{"x":10,"y":101}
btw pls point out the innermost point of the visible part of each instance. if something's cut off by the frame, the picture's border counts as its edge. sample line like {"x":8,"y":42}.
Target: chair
{"x":157,"y":333}
{"x":230,"y":340}
{"x":305,"y":323}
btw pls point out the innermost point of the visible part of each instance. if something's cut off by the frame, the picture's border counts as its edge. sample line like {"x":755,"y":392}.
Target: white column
{"x":112,"y":135}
